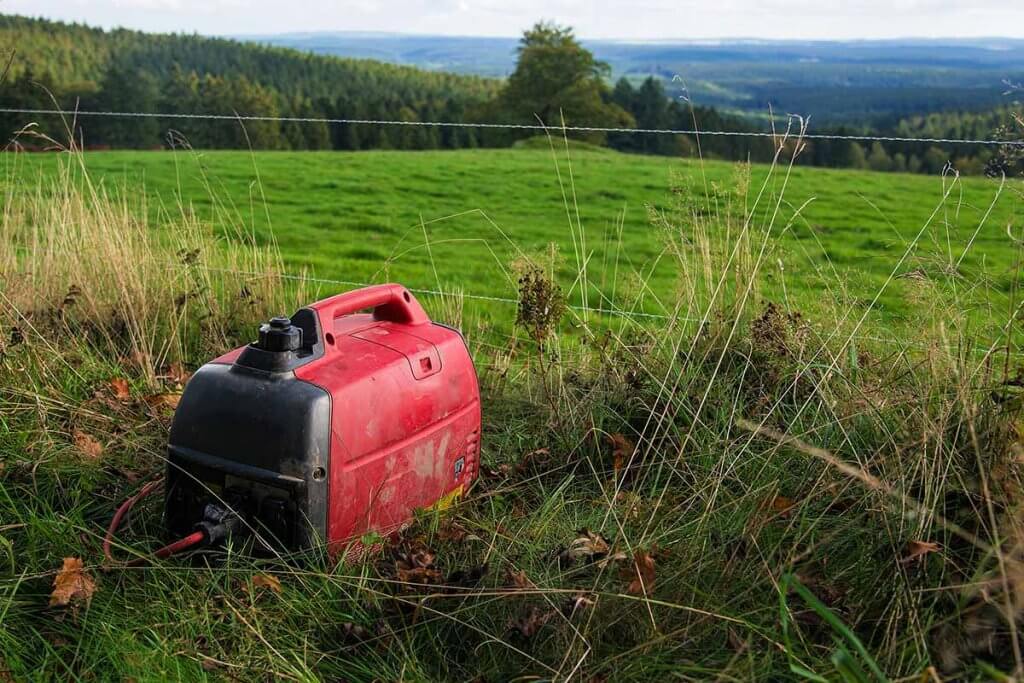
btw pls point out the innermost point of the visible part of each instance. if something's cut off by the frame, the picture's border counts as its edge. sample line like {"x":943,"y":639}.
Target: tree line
{"x":556,"y":81}
{"x":76,"y":66}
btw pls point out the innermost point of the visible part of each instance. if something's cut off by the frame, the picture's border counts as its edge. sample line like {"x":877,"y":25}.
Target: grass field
{"x":457,"y":219}
{"x":757,"y":497}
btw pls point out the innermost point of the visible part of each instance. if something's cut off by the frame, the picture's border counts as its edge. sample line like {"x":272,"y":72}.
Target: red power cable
{"x":166,"y":551}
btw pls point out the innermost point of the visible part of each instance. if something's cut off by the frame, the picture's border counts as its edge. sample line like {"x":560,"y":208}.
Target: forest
{"x":71,"y":66}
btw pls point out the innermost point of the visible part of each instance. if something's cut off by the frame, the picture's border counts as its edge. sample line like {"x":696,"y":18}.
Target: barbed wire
{"x":74,"y":113}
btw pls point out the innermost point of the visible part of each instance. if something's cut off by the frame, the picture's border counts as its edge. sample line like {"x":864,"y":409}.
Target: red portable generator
{"x":333,"y":424}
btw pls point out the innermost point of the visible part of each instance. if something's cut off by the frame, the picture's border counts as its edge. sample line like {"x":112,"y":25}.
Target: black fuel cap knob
{"x":280,"y":335}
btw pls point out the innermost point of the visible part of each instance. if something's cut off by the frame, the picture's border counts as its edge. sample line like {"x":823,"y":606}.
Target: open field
{"x":753,"y":498}
{"x":457,"y":220}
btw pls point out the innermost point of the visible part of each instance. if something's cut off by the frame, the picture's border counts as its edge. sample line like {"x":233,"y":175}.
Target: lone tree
{"x":556,"y":78}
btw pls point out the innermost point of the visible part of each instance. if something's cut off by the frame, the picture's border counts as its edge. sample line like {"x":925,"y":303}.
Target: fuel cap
{"x":280,"y":335}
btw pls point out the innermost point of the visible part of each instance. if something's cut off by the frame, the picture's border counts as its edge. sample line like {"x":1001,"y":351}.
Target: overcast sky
{"x":642,"y":19}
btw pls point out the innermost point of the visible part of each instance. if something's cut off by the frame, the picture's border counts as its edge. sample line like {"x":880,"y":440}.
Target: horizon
{"x":656,"y":22}
{"x":668,"y":40}
{"x":605,"y":39}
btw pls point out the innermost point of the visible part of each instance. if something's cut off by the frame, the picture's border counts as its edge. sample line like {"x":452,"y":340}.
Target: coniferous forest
{"x":70,"y":66}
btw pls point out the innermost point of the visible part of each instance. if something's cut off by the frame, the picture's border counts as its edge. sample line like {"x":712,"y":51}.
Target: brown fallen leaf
{"x":533,"y":456}
{"x":782,"y":505}
{"x":452,"y":532}
{"x":87,"y":445}
{"x":622,"y":451}
{"x":177,"y":374}
{"x":119,"y":388}
{"x":528,"y":625}
{"x":164,"y":401}
{"x":419,"y":575}
{"x":501,"y":471}
{"x":267,"y":581}
{"x":72,"y":585}
{"x":519,"y":580}
{"x":421,"y":556}
{"x":587,"y":545}
{"x":611,"y":558}
{"x":576,"y":604}
{"x":919,"y":549}
{"x":641,"y":574}
{"x":354,"y":633}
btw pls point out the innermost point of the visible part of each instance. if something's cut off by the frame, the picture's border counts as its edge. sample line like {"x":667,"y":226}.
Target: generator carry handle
{"x":391,"y":302}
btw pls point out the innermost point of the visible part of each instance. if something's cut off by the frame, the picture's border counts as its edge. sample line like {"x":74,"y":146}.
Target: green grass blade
{"x":837,"y":625}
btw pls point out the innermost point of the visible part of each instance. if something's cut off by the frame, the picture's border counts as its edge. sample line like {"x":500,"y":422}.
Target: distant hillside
{"x":124,"y":69}
{"x":131,"y":71}
{"x":852,"y":83}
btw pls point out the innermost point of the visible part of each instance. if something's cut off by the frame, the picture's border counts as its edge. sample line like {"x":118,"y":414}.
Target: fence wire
{"x":74,"y":113}
{"x":614,"y":311}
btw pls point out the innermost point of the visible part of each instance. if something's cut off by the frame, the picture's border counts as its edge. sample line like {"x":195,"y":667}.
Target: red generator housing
{"x":335,"y":423}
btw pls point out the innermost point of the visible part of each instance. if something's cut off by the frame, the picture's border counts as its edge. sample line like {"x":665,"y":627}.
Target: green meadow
{"x":458,"y":219}
{"x":762,"y":496}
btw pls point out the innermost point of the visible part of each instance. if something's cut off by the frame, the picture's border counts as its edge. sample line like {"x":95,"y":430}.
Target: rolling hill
{"x":835,"y":82}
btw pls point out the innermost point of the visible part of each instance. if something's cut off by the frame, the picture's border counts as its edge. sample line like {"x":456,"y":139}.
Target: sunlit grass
{"x":741,"y":490}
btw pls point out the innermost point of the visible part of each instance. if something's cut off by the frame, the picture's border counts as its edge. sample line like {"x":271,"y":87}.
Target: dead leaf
{"x":622,"y":451}
{"x":422,"y":557}
{"x":267,"y":581}
{"x":119,"y":388}
{"x":413,"y":562}
{"x":354,"y":633}
{"x":164,"y":401}
{"x":420,"y":575}
{"x":641,"y":574}
{"x":576,"y":604}
{"x":177,"y":374}
{"x":72,"y":586}
{"x":919,"y":549}
{"x":586,"y":546}
{"x":538,"y":455}
{"x":86,"y":444}
{"x":612,"y":559}
{"x":453,"y":532}
{"x":531,"y":622}
{"x":782,"y":505}
{"x":519,"y":580}
{"x":494,"y":473}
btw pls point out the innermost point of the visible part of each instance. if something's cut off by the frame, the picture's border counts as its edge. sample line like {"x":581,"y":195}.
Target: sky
{"x":637,"y":20}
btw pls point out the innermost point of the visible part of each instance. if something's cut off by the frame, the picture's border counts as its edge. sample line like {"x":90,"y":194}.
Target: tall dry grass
{"x":86,"y":263}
